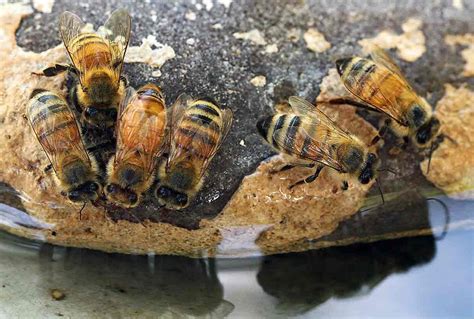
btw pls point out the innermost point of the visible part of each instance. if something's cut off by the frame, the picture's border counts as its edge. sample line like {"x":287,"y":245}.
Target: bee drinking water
{"x":198,"y":127}
{"x":141,"y":136}
{"x":97,"y":60}
{"x":313,"y":140}
{"x":56,"y":129}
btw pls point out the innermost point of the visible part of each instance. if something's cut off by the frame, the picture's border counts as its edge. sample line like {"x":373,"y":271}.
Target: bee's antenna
{"x":429,"y":159}
{"x":80,"y":212}
{"x":380,"y":190}
{"x":137,"y":219}
{"x":447,"y":217}
{"x":449,"y":138}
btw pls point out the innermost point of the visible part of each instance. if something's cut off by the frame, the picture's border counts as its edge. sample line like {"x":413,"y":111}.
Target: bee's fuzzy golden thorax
{"x":101,"y":87}
{"x":182,"y":176}
{"x":418,"y":114}
{"x":129,"y":175}
{"x":351,"y":157}
{"x":75,"y":173}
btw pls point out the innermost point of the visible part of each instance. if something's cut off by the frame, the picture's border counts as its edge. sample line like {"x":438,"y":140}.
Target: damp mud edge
{"x":243,"y":209}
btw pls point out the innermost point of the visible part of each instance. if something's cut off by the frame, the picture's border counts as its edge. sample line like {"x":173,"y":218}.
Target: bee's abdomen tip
{"x":263,"y":125}
{"x":341,"y":64}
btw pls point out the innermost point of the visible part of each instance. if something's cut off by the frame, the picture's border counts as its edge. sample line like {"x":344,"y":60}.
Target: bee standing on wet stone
{"x":97,"y":59}
{"x":198,"y":127}
{"x":314,"y":140}
{"x":381,"y":87}
{"x":56,"y":129}
{"x":141,"y":136}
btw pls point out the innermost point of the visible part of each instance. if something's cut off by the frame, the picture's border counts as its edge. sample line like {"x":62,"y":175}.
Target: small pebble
{"x":57,"y":294}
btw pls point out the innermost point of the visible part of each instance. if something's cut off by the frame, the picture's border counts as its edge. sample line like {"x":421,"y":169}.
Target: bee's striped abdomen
{"x":152,"y":101}
{"x":290,"y":134}
{"x":50,"y":116}
{"x":364,"y":78}
{"x":201,"y":122}
{"x":144,"y":120}
{"x":91,"y":50}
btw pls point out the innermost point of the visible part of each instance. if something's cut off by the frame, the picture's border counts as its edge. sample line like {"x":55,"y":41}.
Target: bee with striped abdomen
{"x":198,"y":127}
{"x":313,"y":139}
{"x":141,"y":136}
{"x":97,"y":59}
{"x":56,"y":129}
{"x":381,"y":87}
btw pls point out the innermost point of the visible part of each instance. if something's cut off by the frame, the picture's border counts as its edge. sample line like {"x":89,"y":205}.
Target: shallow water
{"x":410,"y":277}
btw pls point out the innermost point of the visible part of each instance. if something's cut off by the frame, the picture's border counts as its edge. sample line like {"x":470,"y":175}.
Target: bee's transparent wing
{"x":117,"y":31}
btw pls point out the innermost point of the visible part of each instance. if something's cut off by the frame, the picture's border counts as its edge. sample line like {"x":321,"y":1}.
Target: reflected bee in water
{"x":198,"y":127}
{"x":56,"y":129}
{"x":141,"y":135}
{"x":313,"y":140}
{"x":379,"y":85}
{"x":97,"y":59}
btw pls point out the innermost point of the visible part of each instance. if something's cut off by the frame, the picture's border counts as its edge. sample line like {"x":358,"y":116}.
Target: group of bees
{"x":188,"y":134}
{"x":312,"y":139}
{"x":170,"y":148}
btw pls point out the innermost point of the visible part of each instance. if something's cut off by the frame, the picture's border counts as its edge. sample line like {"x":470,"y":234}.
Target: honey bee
{"x":56,"y":129}
{"x":380,"y":85}
{"x":313,"y":139}
{"x":198,"y":127}
{"x":97,"y":60}
{"x":141,"y":136}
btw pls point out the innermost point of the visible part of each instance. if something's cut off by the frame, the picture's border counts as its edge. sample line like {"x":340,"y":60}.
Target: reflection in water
{"x":13,"y":216}
{"x":302,"y":281}
{"x":139,"y":285}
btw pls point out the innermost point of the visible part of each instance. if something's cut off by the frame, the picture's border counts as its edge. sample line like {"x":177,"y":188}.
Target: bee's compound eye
{"x":133,"y":198}
{"x":163,"y":192}
{"x":74,"y":196}
{"x":90,"y":112}
{"x":113,"y":113}
{"x":181,"y":199}
{"x":111,"y":188}
{"x":93,"y":187}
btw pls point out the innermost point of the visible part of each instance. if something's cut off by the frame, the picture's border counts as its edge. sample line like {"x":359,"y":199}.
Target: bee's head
{"x":342,"y":64}
{"x":171,"y":198}
{"x":89,"y":191}
{"x":181,"y":176}
{"x":427,"y":132}
{"x":101,"y":87}
{"x":369,"y":169}
{"x":124,"y":197}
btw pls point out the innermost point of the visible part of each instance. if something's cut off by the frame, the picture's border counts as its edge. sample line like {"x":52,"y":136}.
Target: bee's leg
{"x":349,"y":101}
{"x":124,"y":79}
{"x":404,"y":142}
{"x":55,"y":70}
{"x":308,"y":179}
{"x":96,"y":147}
{"x":443,"y":136}
{"x":382,"y":131}
{"x":345,"y":185}
{"x":290,"y":166}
